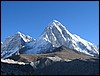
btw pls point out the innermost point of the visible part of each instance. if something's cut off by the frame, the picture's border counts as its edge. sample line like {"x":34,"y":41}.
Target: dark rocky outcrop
{"x":62,"y":61}
{"x":46,"y":66}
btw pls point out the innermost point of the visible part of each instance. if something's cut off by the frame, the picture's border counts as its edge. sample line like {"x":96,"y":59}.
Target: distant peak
{"x":18,"y":32}
{"x":55,"y":21}
{"x":26,"y":38}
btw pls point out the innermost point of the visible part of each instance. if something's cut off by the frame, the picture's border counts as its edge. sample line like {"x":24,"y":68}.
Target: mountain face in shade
{"x":53,"y":36}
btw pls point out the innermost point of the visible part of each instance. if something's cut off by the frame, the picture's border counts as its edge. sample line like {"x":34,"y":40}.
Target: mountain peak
{"x":55,"y":21}
{"x":57,"y":35}
{"x":19,"y":33}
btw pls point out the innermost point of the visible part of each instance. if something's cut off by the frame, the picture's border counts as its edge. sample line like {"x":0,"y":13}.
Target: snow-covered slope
{"x":1,"y":43}
{"x":56,"y":35}
{"x":13,"y":44}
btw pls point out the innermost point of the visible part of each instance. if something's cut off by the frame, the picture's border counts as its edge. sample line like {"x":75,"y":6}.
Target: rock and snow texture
{"x":13,"y":44}
{"x":54,"y":35}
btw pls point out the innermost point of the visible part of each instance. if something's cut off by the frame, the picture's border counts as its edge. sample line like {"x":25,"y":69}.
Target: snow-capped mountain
{"x":13,"y":44}
{"x":54,"y":36}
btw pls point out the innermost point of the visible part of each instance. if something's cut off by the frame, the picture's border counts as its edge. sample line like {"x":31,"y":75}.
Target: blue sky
{"x":31,"y":17}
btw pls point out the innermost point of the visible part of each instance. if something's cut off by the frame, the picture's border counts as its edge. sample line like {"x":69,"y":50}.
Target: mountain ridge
{"x":53,"y":36}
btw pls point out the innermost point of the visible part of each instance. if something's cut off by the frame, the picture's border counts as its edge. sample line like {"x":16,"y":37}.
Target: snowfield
{"x":12,"y":61}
